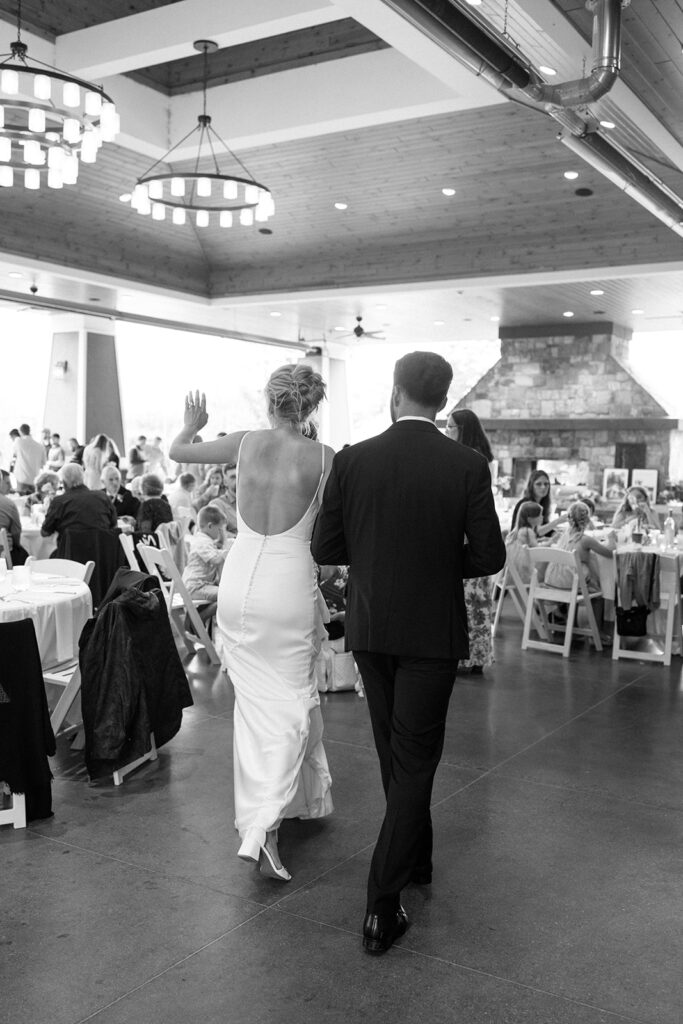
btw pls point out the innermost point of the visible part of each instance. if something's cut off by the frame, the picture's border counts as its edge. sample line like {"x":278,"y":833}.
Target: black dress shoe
{"x":377,"y":939}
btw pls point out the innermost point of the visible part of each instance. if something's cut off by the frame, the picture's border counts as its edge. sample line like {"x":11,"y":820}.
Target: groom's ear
{"x":445,"y":399}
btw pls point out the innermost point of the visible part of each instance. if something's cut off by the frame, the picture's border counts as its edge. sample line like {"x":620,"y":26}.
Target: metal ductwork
{"x":606,"y":61}
{"x":480,"y":49}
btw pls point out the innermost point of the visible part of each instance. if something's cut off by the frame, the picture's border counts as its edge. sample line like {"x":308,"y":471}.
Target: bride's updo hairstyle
{"x":293,"y":392}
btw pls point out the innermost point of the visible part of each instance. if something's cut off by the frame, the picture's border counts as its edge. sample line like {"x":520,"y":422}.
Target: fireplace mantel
{"x":578,"y":423}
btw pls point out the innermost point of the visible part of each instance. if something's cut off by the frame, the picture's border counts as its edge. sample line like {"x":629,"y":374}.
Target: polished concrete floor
{"x":557,"y":895}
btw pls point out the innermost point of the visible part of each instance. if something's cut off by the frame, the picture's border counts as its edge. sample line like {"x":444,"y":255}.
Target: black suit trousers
{"x":408,"y":703}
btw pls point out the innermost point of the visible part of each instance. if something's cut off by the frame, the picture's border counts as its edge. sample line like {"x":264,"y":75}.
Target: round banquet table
{"x":59,"y":605}
{"x":34,"y":542}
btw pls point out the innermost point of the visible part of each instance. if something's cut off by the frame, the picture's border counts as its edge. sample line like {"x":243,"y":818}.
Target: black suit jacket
{"x":397,"y":509}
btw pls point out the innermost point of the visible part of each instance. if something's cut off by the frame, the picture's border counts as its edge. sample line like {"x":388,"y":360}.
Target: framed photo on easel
{"x":614,"y":483}
{"x":647,"y":479}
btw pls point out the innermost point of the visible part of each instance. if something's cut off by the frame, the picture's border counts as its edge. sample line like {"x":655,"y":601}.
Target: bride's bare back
{"x":279,"y":473}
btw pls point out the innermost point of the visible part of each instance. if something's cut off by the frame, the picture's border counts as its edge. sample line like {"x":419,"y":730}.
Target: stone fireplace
{"x":566,"y":394}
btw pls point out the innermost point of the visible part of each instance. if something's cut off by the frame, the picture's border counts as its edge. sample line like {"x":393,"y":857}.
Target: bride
{"x":269,"y":612}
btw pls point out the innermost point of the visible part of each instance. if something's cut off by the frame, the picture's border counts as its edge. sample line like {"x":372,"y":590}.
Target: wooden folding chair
{"x":576,"y":596}
{"x":5,"y":551}
{"x":160,"y":563}
{"x":67,"y":674}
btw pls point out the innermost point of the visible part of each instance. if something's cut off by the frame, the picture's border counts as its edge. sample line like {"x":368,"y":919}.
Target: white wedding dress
{"x":270,"y":621}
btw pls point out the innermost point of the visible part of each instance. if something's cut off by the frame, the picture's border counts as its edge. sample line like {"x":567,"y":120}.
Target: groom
{"x":411,"y":512}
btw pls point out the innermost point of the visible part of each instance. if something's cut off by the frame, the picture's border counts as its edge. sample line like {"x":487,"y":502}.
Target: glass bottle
{"x":669,"y":532}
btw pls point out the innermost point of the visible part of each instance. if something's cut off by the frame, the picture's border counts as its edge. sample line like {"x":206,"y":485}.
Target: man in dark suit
{"x":412,"y":514}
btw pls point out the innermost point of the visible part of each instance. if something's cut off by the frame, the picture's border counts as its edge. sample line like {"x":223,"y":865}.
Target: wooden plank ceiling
{"x":513,"y":212}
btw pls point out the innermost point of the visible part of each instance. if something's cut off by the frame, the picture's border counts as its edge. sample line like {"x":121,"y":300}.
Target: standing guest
{"x":56,"y":456}
{"x":76,"y":451}
{"x":9,"y":520}
{"x":202,"y":574}
{"x":538,"y":489}
{"x":78,"y":508}
{"x":154,"y":508}
{"x":137,"y":458}
{"x":227,"y":501}
{"x":45,"y":437}
{"x":29,"y":459}
{"x":198,"y":469}
{"x":96,"y":456}
{"x":156,"y":459}
{"x":412,"y":515}
{"x":463,"y":425}
{"x":13,"y":435}
{"x":125,"y":504}
{"x":180,"y":496}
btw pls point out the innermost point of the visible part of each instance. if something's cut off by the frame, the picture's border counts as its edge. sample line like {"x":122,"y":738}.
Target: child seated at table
{"x":523,"y":537}
{"x":575,"y":539}
{"x":202,"y":573}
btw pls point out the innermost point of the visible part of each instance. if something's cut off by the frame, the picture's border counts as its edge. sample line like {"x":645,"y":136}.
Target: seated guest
{"x":523,"y":537}
{"x":202,"y":574}
{"x":636,"y":509}
{"x":76,"y":451}
{"x":180,"y":496}
{"x":212,"y":487}
{"x":78,"y":508}
{"x":56,"y":456}
{"x":227,"y":501}
{"x":125,"y":504}
{"x":46,"y":486}
{"x":538,"y":489}
{"x":9,"y":520}
{"x":154,"y":507}
{"x":575,"y":539}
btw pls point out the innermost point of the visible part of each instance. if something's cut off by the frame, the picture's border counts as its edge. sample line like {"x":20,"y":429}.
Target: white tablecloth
{"x":59,"y":606}
{"x":39,"y":547}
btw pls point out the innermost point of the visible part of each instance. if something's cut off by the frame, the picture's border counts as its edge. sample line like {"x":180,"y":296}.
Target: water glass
{"x":21,"y":577}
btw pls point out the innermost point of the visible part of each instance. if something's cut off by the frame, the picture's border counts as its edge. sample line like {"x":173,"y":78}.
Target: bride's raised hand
{"x":196,"y":415}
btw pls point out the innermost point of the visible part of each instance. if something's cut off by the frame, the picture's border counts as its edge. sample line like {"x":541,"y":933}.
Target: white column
{"x":333,"y":416}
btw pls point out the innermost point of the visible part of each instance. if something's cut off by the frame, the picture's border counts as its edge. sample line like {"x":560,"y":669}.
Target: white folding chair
{"x":16,"y":814}
{"x":67,"y":674}
{"x":5,"y":551}
{"x":670,"y":607}
{"x":160,"y":563}
{"x":510,"y":582}
{"x":576,"y":596}
{"x":172,"y":538}
{"x":129,"y":550}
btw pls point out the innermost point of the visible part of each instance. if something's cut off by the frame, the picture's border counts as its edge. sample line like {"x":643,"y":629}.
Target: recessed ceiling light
{"x":571,"y":175}
{"x":546,"y":70}
{"x":583,"y":192}
{"x":494,"y":319}
{"x":125,"y":197}
{"x":265,"y":231}
{"x":15,"y":273}
{"x":637,"y":312}
{"x":94,"y":298}
{"x":597,"y":291}
{"x":341,"y":206}
{"x":448,"y":191}
{"x":274,"y":312}
{"x":439,"y":323}
{"x":598,"y":312}
{"x":568,"y":313}
{"x":607,"y":124}
{"x":339,"y":328}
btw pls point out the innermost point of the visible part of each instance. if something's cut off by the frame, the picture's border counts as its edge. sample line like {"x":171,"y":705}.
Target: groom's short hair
{"x":424,"y":376}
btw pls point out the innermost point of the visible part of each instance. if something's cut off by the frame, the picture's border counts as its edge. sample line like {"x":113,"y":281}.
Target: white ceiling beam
{"x":391,"y":26}
{"x":167,"y":33}
{"x":341,"y":95}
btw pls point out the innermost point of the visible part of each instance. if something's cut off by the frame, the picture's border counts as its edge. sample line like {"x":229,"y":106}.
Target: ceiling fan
{"x":360,"y":332}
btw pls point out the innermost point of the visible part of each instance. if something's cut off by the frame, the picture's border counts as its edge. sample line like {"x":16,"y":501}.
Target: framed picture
{"x":647,"y":479}
{"x":614,"y":483}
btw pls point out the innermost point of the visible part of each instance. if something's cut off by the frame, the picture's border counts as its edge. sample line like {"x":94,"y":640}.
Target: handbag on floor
{"x":633,"y":621}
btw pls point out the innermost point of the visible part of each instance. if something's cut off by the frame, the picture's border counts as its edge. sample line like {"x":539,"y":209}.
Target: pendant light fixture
{"x":202,"y":192}
{"x":49,"y":121}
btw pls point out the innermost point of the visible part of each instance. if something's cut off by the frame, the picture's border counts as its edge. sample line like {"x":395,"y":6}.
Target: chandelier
{"x":49,"y":120}
{"x":207,"y":194}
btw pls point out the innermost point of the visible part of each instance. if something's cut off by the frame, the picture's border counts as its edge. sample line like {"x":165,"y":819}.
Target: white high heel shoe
{"x":267,"y":867}
{"x":252,"y":844}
